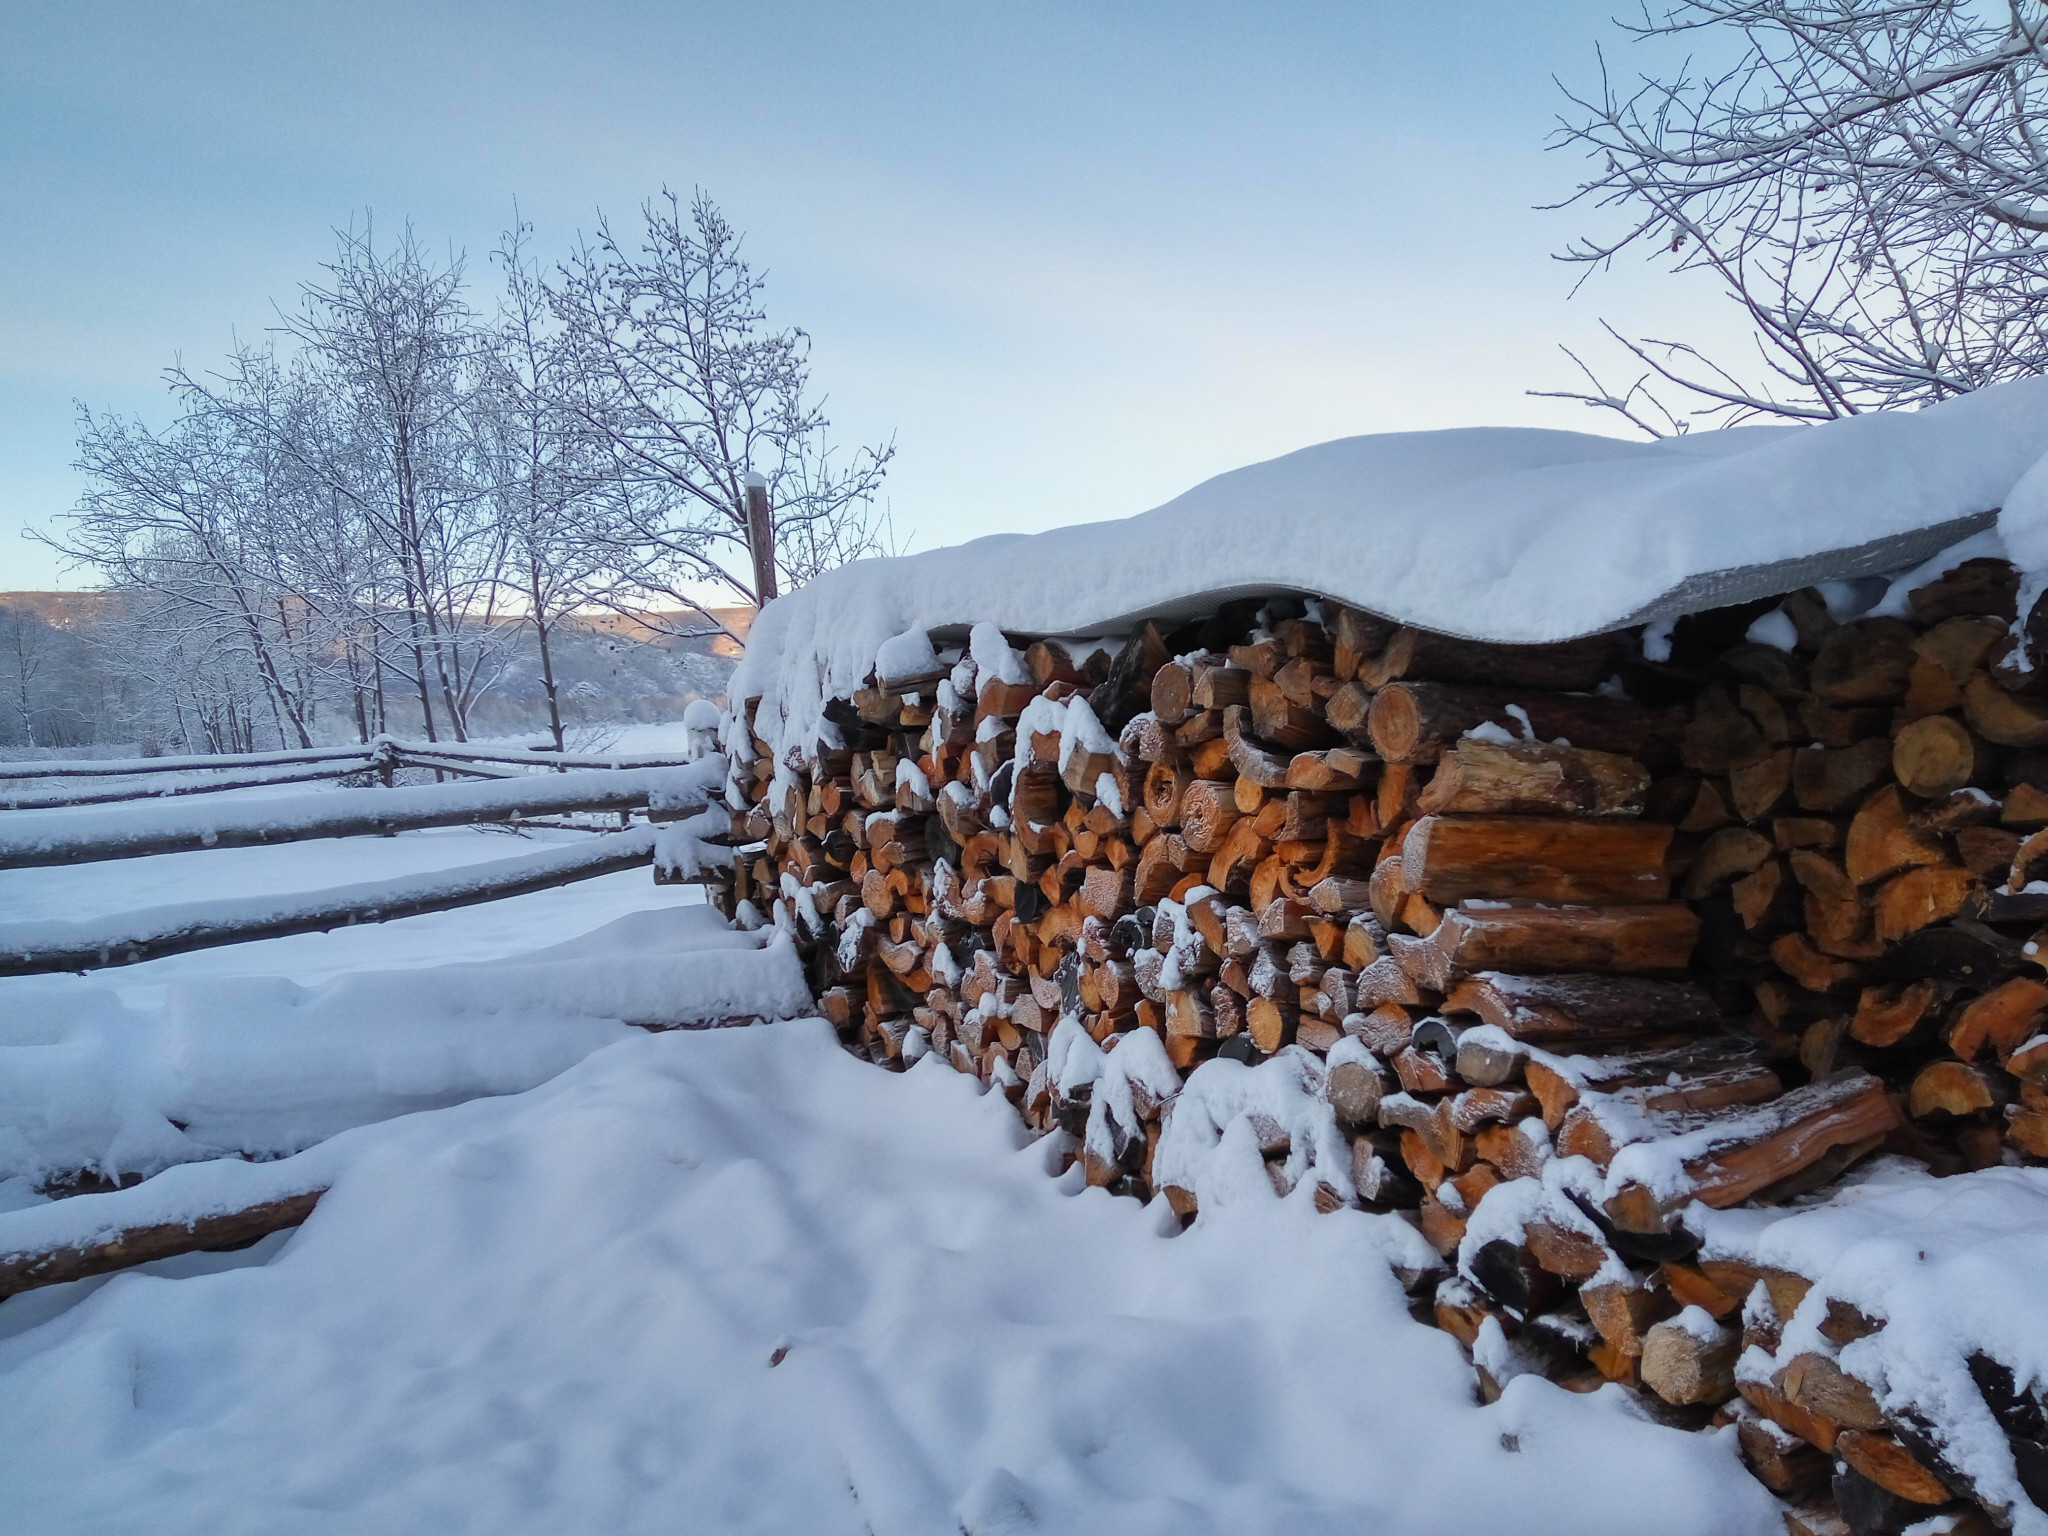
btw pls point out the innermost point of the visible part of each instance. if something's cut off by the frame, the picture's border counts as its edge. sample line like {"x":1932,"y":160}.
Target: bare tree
{"x":553,"y":491}
{"x":396,"y":347}
{"x":24,"y":659}
{"x":692,"y":391}
{"x":1867,"y":179}
{"x":176,"y":514}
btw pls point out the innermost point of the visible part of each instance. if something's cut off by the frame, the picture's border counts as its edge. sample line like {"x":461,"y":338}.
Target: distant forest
{"x":74,"y":675}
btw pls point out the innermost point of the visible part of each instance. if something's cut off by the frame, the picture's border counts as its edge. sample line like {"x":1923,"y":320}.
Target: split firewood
{"x":1764,"y":1146}
{"x":1884,"y":840}
{"x":1481,"y":936}
{"x":1820,"y":1386}
{"x":1952,"y":1088}
{"x":1571,"y":666}
{"x":1691,"y":1359}
{"x":1909,"y":902}
{"x":1869,"y":661}
{"x":2004,"y":718}
{"x":1892,"y":1467}
{"x":1885,"y":1015}
{"x":1580,"y":1010}
{"x":1355,"y":1089}
{"x":1415,"y":722}
{"x":1727,"y":854}
{"x":1533,"y":778}
{"x":2001,"y":1019}
{"x":1449,"y":859}
{"x":1572,"y":1253}
{"x":1755,"y":789}
{"x":1534,"y":943}
{"x":1829,"y":780}
{"x":1685,"y":1081}
{"x":1781,"y":1461}
{"x":1934,"y":756}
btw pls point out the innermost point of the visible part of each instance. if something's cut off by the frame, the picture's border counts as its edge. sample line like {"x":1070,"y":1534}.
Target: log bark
{"x":1447,"y":860}
{"x":1488,"y":778}
{"x":1569,"y":666}
{"x":1579,"y":1010}
{"x":1699,"y":1075}
{"x":1891,"y":1466}
{"x":1765,"y":1147}
{"x":1416,"y":722}
{"x":1618,"y":940}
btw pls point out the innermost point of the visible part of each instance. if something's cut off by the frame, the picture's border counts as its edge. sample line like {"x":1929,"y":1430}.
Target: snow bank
{"x":261,"y":1066}
{"x":742,"y":1282}
{"x":1505,"y":534}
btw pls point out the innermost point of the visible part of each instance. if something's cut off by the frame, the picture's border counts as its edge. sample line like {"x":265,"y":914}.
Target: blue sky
{"x":1076,"y":257}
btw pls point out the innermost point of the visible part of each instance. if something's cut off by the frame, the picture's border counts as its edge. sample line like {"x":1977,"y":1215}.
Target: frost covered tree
{"x":396,"y":350}
{"x":189,"y":517}
{"x":361,"y":519}
{"x":1867,"y":179}
{"x":694,"y":392}
{"x":554,"y":495}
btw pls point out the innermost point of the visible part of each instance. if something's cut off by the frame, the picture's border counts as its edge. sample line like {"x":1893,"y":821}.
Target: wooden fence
{"x":78,"y":820}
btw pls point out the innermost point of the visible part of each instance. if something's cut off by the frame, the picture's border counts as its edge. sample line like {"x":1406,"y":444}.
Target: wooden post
{"x":761,"y":537}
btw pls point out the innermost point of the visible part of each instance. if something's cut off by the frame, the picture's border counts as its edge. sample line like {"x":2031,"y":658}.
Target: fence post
{"x":761,"y":537}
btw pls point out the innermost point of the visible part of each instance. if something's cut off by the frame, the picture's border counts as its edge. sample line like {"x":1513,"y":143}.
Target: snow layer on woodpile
{"x":742,"y":1282}
{"x":1508,"y":534}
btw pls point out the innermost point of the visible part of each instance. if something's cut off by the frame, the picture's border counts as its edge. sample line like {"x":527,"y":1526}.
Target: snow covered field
{"x":704,"y":1281}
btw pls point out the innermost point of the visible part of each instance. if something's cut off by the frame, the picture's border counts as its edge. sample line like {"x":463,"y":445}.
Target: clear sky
{"x":1076,"y":257}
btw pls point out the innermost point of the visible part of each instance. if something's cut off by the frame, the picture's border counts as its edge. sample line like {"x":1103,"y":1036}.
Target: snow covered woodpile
{"x":1597,"y":954}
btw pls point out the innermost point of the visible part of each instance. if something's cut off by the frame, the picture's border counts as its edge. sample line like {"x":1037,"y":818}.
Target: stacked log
{"x":1871,"y":821}
{"x":1576,"y":937}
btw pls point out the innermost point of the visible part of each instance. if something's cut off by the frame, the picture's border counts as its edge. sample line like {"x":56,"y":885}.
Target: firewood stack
{"x":1578,"y":937}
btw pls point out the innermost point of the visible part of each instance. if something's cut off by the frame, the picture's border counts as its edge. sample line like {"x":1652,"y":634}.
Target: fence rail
{"x":173,"y":788}
{"x":29,"y":840}
{"x":39,"y":948}
{"x":128,"y":767}
{"x":384,"y":754}
{"x":43,"y":830}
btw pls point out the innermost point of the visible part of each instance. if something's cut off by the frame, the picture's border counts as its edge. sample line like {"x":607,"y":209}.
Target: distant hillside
{"x":75,"y":611}
{"x":652,"y":625}
{"x":80,"y":611}
{"x":72,"y":676}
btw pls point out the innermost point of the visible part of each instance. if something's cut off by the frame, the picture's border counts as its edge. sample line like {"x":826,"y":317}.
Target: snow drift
{"x":739,"y":1281}
{"x":261,"y":1066}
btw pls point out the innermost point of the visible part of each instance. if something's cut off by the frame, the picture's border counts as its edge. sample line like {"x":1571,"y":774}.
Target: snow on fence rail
{"x":29,"y":840}
{"x":533,"y":757}
{"x":128,"y":938}
{"x":129,"y":766}
{"x":167,"y":777}
{"x":175,"y":786}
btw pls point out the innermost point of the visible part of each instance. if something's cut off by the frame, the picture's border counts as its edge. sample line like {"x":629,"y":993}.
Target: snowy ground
{"x":718,"y":1281}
